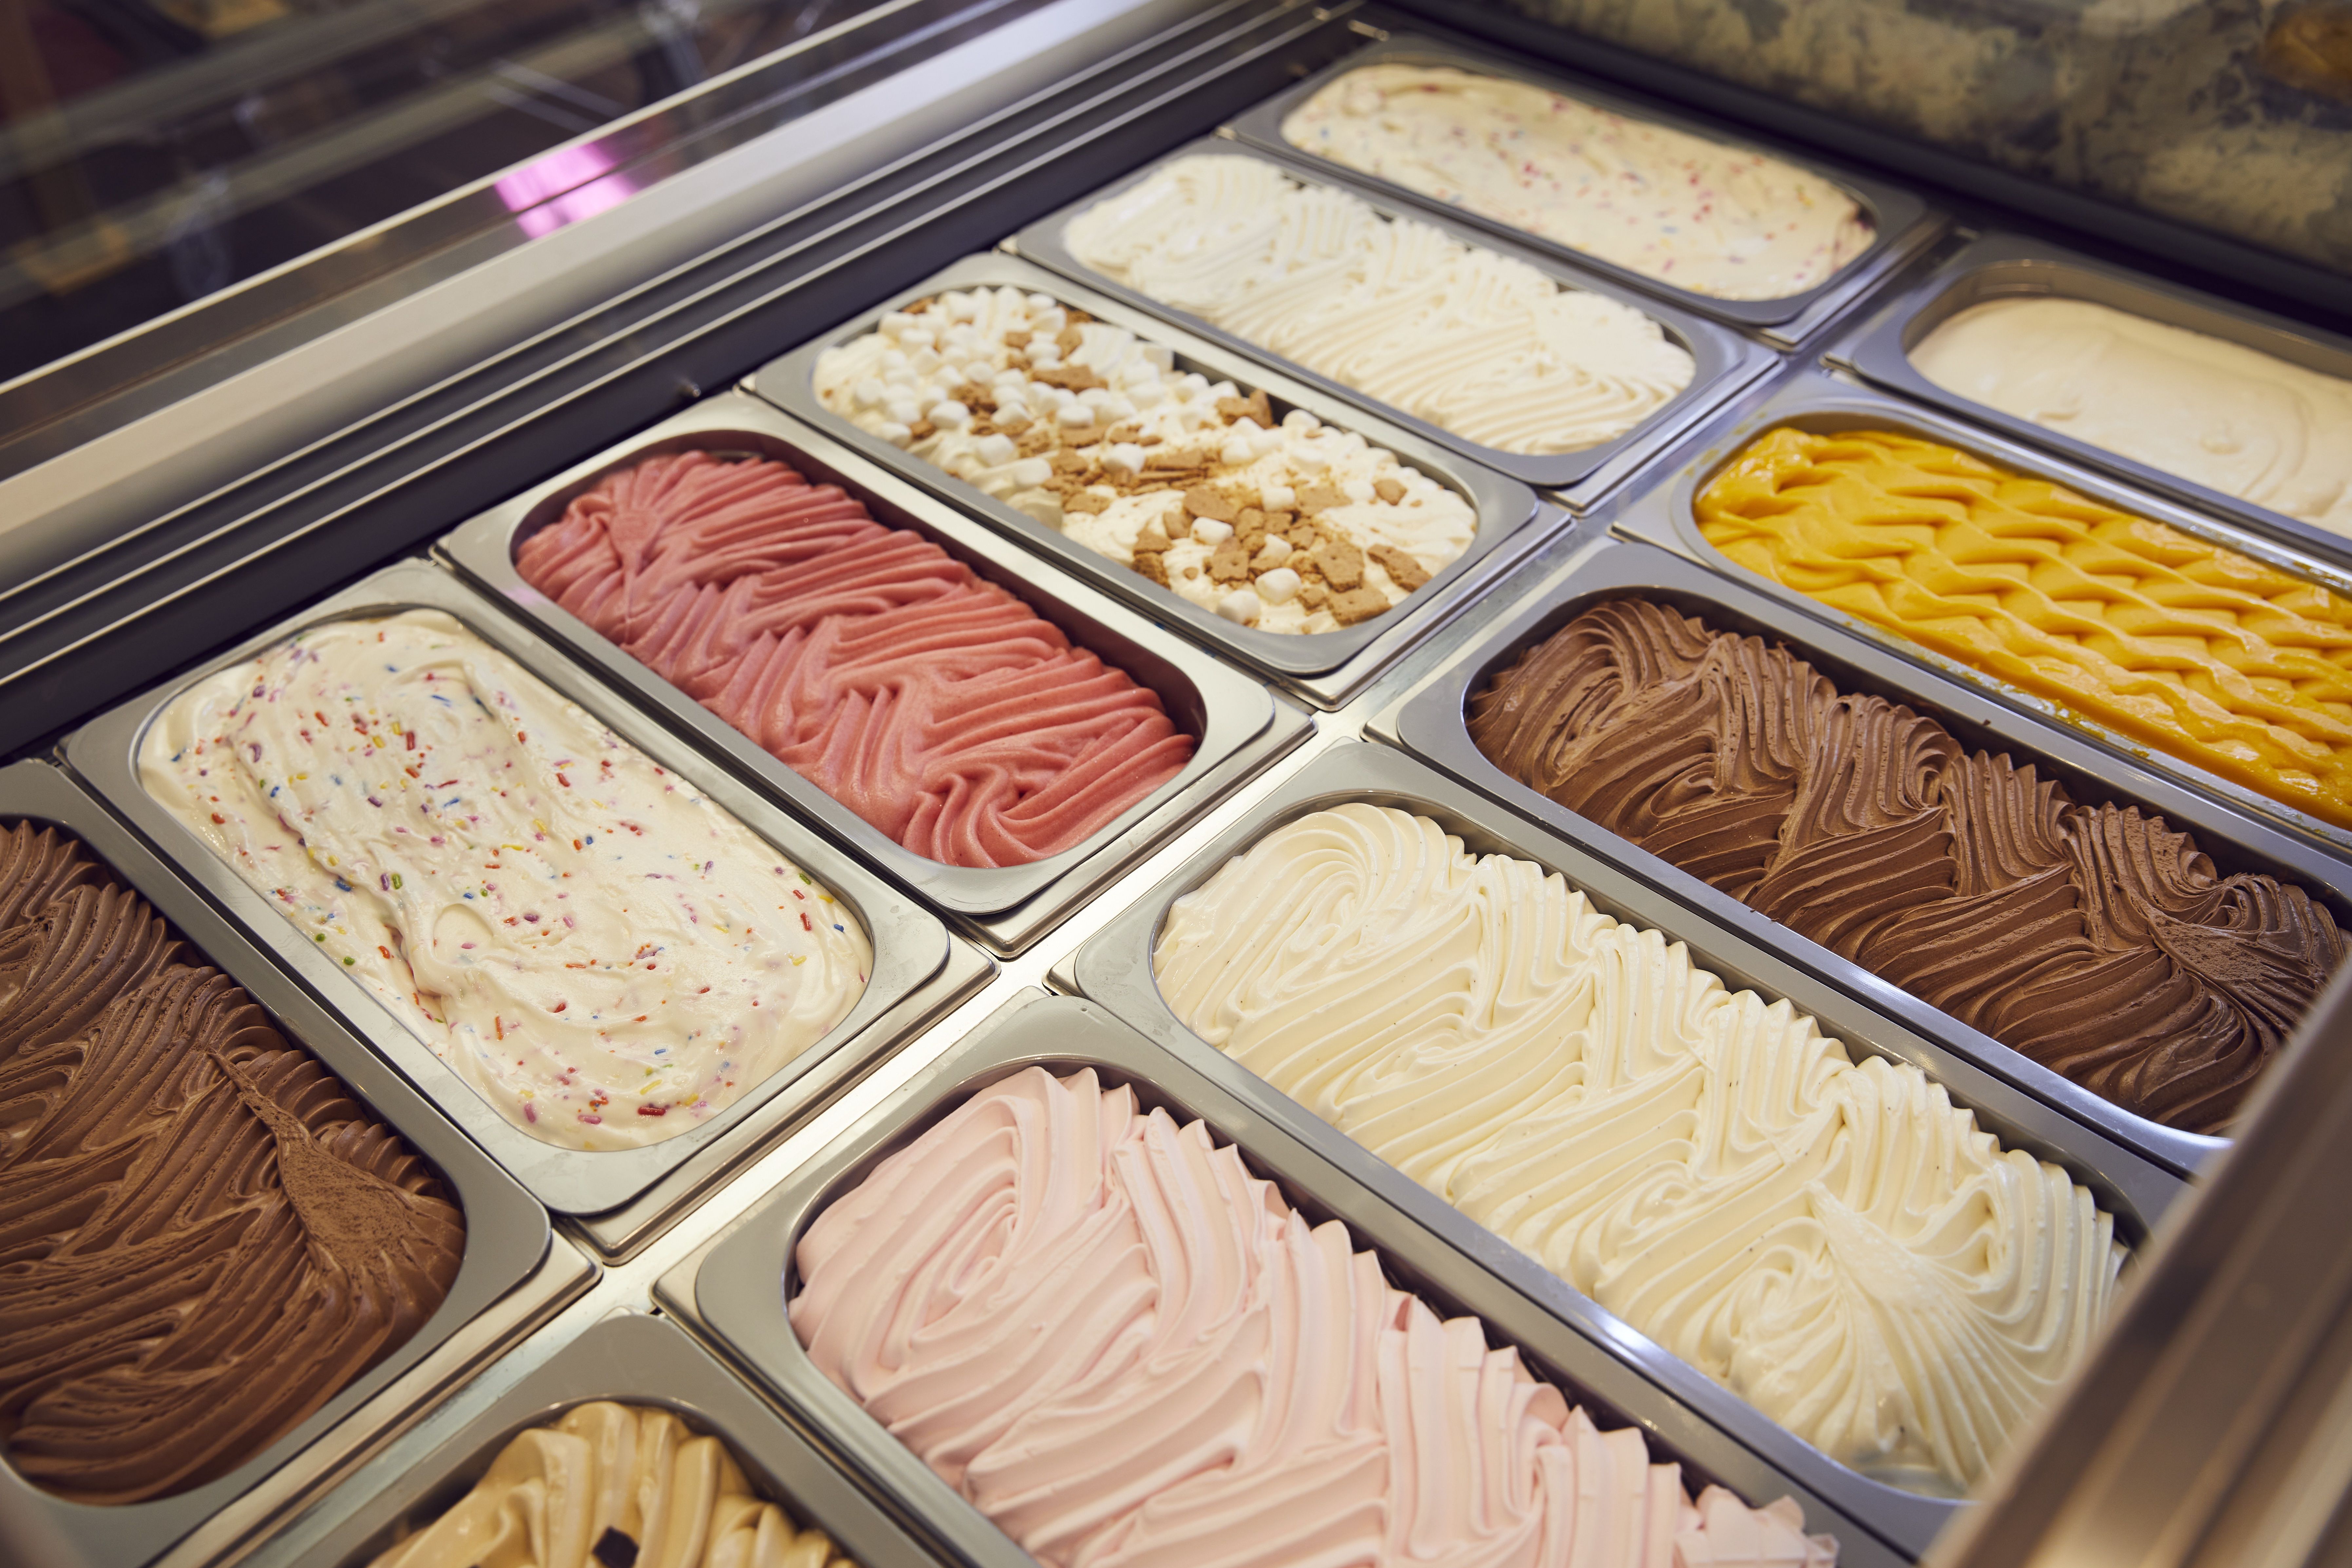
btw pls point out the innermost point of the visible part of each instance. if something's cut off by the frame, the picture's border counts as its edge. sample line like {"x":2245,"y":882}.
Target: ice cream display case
{"x":1208,"y":781}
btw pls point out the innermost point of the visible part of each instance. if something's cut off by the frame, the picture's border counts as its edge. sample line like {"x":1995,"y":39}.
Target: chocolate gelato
{"x":2090,"y":937}
{"x":203,"y":1237}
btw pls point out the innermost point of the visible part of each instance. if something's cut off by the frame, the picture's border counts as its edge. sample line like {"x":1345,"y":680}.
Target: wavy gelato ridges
{"x":2227,"y":663}
{"x":938,"y":706}
{"x":1097,"y":1326}
{"x":2091,"y":938}
{"x":1834,"y":1241}
{"x":1475,"y":343}
{"x":203,"y":1237}
{"x":608,"y":1484}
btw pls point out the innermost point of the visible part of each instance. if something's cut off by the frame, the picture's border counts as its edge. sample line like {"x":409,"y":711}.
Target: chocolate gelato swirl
{"x":203,"y":1237}
{"x":2091,"y":938}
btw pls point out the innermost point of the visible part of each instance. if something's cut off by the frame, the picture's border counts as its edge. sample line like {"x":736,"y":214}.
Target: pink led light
{"x":563,"y":187}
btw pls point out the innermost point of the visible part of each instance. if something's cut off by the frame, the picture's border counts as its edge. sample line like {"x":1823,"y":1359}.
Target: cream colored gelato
{"x":608,"y":958}
{"x":2215,"y":413}
{"x":1833,"y":1241}
{"x":1727,"y":222}
{"x":1469,"y":340}
{"x":1289,"y":525}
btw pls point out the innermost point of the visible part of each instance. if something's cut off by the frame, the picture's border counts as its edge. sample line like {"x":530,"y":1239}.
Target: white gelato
{"x":1834,"y":1241}
{"x":2215,"y":413}
{"x":1467,"y":339}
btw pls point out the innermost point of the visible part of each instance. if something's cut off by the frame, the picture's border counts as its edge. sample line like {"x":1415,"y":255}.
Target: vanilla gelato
{"x":2215,"y":413}
{"x":1727,"y":222}
{"x":1832,"y":1240}
{"x":1475,"y":343}
{"x":1289,"y":524}
{"x":605,"y":956}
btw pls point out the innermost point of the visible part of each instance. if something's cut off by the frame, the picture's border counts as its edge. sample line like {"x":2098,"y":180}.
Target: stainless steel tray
{"x":1236,"y":725}
{"x":1818,"y":402}
{"x":1726,"y":360}
{"x":506,"y":1232}
{"x":1430,"y":724}
{"x":733,"y":1287}
{"x":1114,"y":968}
{"x":910,"y":946}
{"x":635,"y":1360}
{"x":1325,"y":667}
{"x":1901,"y":221}
{"x":2010,"y":266}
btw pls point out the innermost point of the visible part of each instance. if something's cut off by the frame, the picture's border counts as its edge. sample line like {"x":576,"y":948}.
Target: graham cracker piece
{"x":1403,"y":570}
{"x":1341,"y":565}
{"x":1358,"y":605}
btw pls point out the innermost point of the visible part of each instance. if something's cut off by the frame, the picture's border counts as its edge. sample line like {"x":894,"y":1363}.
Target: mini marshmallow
{"x":904,"y":411}
{"x":898,"y":435}
{"x":1160,"y":355}
{"x":979,"y":373}
{"x":893,"y":360}
{"x":1075,"y":415}
{"x":996,"y":450}
{"x":1272,"y":554}
{"x":1301,"y":421}
{"x":1241,"y":606}
{"x":870,"y":394}
{"x":1235,"y":453}
{"x":1277,"y":498}
{"x":896,"y":321}
{"x":1124,"y":457}
{"x":1012,"y":416}
{"x":1212,"y":532}
{"x":925,"y":360}
{"x":1032,"y":471}
{"x":1040,"y":302}
{"x":950,"y":415}
{"x":1357,"y":490}
{"x":1279,"y":586}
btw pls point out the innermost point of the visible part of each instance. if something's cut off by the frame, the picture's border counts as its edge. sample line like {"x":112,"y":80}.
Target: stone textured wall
{"x":2235,"y":115}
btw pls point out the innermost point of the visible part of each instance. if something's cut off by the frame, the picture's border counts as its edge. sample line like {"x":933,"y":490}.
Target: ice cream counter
{"x":1418,"y":809}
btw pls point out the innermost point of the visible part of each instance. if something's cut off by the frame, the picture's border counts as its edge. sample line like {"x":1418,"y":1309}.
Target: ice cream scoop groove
{"x":2231,"y":665}
{"x":1832,"y":1240}
{"x":605,"y":955}
{"x":940,"y":707}
{"x":607,"y":1483}
{"x":1723,"y":221}
{"x":206,"y":1236}
{"x":1480,"y":344}
{"x":1100,"y":1328}
{"x":2090,"y":937}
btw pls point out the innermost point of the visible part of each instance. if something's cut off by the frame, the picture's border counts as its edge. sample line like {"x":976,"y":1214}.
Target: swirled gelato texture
{"x":2091,"y":938}
{"x":2223,"y":661}
{"x":605,"y":956}
{"x":1723,"y":221}
{"x":2219,"y":414}
{"x":1473,"y":342}
{"x":1124,"y":1349}
{"x":606,"y":1484}
{"x":202,"y":1237}
{"x":938,"y":706}
{"x":1287,"y":525}
{"x":1835,"y":1242}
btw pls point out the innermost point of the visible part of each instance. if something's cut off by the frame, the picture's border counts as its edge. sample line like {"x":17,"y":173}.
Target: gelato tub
{"x":1637,"y":192}
{"x":1527,"y":364}
{"x":1072,"y":653}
